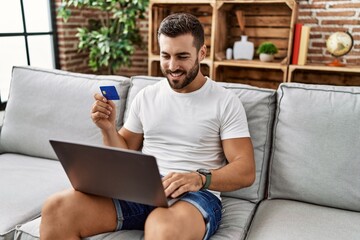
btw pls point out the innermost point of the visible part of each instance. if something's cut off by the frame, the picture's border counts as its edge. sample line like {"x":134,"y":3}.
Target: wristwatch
{"x":207,"y":174}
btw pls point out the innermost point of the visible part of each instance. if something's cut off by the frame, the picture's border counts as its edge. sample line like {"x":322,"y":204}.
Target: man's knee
{"x":71,"y":214}
{"x":160,"y":224}
{"x":181,"y":221}
{"x":58,"y":204}
{"x":53,"y":215}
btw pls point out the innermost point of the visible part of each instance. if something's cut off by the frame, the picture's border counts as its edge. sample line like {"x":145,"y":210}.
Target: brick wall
{"x":71,"y":59}
{"x":324,"y":17}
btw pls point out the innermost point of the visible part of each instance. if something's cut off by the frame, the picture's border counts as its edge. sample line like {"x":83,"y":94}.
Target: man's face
{"x":179,"y":60}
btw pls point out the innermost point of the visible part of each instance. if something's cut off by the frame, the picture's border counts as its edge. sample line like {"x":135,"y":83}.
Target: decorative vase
{"x":243,"y":49}
{"x":264,"y":57}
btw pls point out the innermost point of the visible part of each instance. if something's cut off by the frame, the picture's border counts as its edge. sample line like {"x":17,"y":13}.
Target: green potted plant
{"x":266,"y":51}
{"x":110,"y":39}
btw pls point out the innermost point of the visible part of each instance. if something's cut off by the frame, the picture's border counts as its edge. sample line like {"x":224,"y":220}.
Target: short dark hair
{"x":178,"y":24}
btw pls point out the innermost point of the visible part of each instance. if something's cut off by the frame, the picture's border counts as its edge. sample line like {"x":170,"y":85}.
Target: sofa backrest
{"x":316,"y":147}
{"x":45,"y":104}
{"x":136,"y":84}
{"x":260,"y":106}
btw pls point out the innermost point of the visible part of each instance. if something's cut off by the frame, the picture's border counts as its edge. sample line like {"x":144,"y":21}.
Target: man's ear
{"x":202,"y":52}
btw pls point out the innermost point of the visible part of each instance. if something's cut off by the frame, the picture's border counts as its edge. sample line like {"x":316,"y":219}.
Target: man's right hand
{"x":103,"y":112}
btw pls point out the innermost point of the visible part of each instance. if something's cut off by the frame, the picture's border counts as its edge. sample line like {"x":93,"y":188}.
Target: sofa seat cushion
{"x":236,"y":218}
{"x":287,"y":219}
{"x":25,"y":183}
{"x":317,"y":145}
{"x":46,"y":104}
{"x":237,"y":215}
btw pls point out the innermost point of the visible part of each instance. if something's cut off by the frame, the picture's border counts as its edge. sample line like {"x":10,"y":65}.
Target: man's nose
{"x":173,"y":65}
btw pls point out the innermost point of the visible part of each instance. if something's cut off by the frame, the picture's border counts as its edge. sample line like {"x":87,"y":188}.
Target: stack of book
{"x":300,"y":44}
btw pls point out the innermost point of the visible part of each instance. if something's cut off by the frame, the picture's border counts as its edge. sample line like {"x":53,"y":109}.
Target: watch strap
{"x":207,"y":175}
{"x":207,"y":182}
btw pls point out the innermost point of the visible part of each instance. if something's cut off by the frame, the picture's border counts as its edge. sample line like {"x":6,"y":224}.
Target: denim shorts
{"x":131,"y":216}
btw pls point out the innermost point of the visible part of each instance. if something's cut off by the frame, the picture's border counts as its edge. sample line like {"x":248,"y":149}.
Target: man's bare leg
{"x":73,"y":215}
{"x":180,"y":221}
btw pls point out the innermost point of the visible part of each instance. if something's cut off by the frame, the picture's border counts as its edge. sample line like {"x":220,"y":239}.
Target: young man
{"x":191,"y":125}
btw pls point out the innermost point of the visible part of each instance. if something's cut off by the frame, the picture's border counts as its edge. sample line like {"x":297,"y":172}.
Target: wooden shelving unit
{"x":265,"y":20}
{"x":322,"y":74}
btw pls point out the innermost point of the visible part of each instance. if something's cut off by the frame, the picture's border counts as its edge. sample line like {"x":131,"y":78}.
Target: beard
{"x":189,"y":76}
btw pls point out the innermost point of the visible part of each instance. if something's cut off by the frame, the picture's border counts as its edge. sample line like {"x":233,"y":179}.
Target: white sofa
{"x":306,"y":140}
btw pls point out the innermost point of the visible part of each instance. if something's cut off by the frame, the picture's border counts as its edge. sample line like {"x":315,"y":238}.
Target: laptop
{"x":112,"y":172}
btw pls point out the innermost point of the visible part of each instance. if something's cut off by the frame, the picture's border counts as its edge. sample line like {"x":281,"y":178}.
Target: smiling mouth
{"x":176,"y":74}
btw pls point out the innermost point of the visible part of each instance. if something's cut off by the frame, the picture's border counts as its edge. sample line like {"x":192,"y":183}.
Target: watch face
{"x":204,"y":171}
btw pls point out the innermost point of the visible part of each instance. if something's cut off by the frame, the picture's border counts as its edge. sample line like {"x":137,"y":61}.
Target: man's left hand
{"x":176,"y":184}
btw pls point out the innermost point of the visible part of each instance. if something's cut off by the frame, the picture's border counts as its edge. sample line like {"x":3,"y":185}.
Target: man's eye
{"x":183,"y":57}
{"x":165,"y":56}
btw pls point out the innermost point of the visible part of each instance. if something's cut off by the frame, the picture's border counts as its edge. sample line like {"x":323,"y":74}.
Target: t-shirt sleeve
{"x":233,"y":120}
{"x":133,"y":122}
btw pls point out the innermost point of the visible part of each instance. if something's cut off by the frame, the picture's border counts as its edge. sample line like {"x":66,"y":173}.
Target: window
{"x":26,"y":38}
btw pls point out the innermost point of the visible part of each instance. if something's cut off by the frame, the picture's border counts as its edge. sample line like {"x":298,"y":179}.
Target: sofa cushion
{"x":236,"y":218}
{"x":237,"y":215}
{"x":317,"y":145}
{"x":260,"y":106}
{"x":25,"y":183}
{"x":46,"y":104}
{"x":286,"y":219}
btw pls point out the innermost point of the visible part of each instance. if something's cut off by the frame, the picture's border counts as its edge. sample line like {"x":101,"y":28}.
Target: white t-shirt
{"x":184,"y":130}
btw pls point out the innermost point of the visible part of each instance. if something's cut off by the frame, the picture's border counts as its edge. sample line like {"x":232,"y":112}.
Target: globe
{"x":339,"y":44}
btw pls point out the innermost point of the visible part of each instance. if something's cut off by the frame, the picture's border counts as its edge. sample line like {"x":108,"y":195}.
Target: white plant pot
{"x":264,"y":57}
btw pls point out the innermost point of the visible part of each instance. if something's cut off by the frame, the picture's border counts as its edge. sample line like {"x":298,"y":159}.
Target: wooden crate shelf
{"x":321,"y":74}
{"x":266,"y":76}
{"x":264,"y":21}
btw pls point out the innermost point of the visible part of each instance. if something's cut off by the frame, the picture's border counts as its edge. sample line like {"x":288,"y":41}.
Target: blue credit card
{"x":109,"y":92}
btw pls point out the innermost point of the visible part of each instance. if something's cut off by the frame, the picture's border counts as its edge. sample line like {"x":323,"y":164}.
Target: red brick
{"x":315,"y":51}
{"x":353,"y":53}
{"x":305,"y":14}
{"x":315,"y":36}
{"x":340,"y":22}
{"x":328,"y":29}
{"x":318,"y":44}
{"x":312,"y":6}
{"x":356,"y":37}
{"x":309,"y":21}
{"x":345,"y":5}
{"x":68,"y":39}
{"x":337,"y":14}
